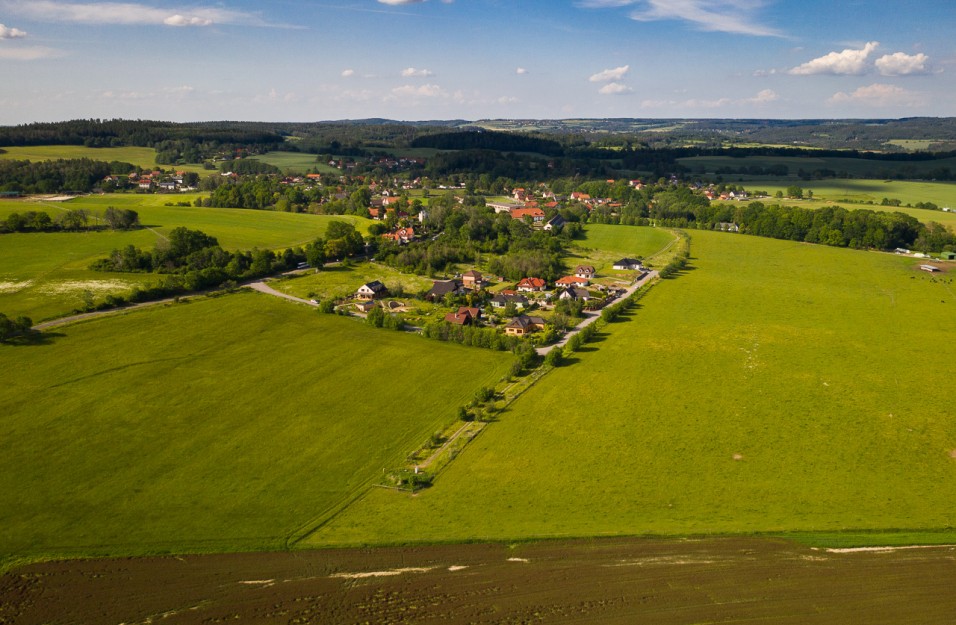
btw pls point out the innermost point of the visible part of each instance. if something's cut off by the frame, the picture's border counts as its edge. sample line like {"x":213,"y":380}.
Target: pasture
{"x":772,"y":387}
{"x":141,"y":157}
{"x":296,"y":162}
{"x":335,"y":282}
{"x":44,"y":275}
{"x":225,"y":424}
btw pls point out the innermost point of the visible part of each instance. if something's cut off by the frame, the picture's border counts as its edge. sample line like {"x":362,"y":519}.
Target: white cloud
{"x":126,"y":13}
{"x":902,"y":64}
{"x":848,"y":62}
{"x":411,"y":72}
{"x":521,"y":71}
{"x":609,"y":75}
{"x":880,"y":95}
{"x":348,"y":73}
{"x":182,"y":20}
{"x":398,"y":3}
{"x":764,"y":97}
{"x":728,"y":16}
{"x":11,"y":33}
{"x":615,"y":88}
{"x":423,"y":91}
{"x":31,"y":53}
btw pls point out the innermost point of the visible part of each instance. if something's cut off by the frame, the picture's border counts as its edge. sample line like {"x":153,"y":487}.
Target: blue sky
{"x":308,"y":60}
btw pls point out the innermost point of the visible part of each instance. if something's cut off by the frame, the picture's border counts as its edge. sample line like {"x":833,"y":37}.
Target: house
{"x":536,"y":214}
{"x":930,"y":268}
{"x":555,"y":222}
{"x":442,"y":288}
{"x":461,"y":318}
{"x":580,"y":197}
{"x":365,"y":306}
{"x":523,"y":325}
{"x":584,"y":271}
{"x":402,"y":235}
{"x":531,"y":285}
{"x":628,"y":264}
{"x":575,"y":293}
{"x":567,"y":281}
{"x":472,"y":280}
{"x":501,"y":300}
{"x":371,"y":290}
{"x":727,"y":227}
{"x":388,"y":201}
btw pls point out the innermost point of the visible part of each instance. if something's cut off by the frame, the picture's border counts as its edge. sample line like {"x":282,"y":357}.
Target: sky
{"x":314,"y":60}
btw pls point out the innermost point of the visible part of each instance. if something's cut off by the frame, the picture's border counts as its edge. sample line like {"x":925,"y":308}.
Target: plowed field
{"x":602,"y":581}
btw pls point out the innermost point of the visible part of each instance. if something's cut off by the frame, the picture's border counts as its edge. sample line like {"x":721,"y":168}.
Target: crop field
{"x":296,"y":162}
{"x":223,"y":424}
{"x":141,"y":157}
{"x":44,"y":275}
{"x":772,"y":387}
{"x":666,"y":582}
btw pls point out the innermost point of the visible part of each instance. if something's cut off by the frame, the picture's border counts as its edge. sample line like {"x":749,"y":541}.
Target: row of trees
{"x":64,"y":175}
{"x":70,"y":220}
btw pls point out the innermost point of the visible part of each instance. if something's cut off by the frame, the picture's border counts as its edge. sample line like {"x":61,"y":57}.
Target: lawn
{"x":603,"y":245}
{"x":773,"y":387}
{"x":43,"y":275}
{"x":219,"y":425}
{"x":141,"y":157}
{"x":338,"y":282}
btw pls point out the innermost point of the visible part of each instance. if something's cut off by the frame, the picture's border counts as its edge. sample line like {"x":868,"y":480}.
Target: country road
{"x":591,"y":317}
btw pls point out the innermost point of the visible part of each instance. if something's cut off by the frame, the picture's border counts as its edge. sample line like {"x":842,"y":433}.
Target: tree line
{"x":70,"y":220}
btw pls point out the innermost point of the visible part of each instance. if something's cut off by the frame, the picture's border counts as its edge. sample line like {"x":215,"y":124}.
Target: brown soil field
{"x":714,"y":580}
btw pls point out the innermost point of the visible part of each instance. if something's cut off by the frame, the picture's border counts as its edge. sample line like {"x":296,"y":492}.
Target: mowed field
{"x":296,"y":162}
{"x":773,"y":387}
{"x":604,"y":244}
{"x":223,"y":424}
{"x":44,"y":275}
{"x":141,"y":157}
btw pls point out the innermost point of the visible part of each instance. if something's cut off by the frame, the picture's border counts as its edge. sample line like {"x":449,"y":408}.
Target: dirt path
{"x":262,"y":287}
{"x":591,"y":317}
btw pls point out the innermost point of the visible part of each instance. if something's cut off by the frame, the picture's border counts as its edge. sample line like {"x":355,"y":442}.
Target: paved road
{"x":591,"y":317}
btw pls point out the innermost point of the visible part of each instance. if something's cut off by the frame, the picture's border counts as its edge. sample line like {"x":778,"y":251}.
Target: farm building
{"x":929,"y":268}
{"x":947,"y":256}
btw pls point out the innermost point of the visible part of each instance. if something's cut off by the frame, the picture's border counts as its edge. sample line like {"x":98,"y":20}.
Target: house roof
{"x":443,"y":287}
{"x":584,"y":269}
{"x":472,"y":274}
{"x":627,"y":262}
{"x":459,"y":318}
{"x":518,"y":213}
{"x":474,"y":312}
{"x":572,"y":281}
{"x":375,"y":286}
{"x":532,"y":283}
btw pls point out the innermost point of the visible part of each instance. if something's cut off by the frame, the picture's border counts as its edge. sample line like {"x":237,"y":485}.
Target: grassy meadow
{"x":296,"y":162}
{"x":772,"y":387}
{"x":334,"y":282}
{"x":141,"y":157}
{"x":223,"y":424}
{"x":44,"y":275}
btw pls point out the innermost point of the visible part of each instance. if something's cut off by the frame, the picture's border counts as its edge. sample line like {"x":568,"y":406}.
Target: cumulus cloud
{"x":615,"y":88}
{"x":11,"y":33}
{"x":902,"y":64}
{"x":728,"y":16}
{"x":879,"y":95}
{"x":609,"y":75}
{"x":849,"y":62}
{"x":347,"y":73}
{"x":521,"y":71}
{"x":126,"y":13}
{"x":411,"y":72}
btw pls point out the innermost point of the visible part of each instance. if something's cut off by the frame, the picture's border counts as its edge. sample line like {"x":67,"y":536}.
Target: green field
{"x":602,"y":244}
{"x":141,"y":157}
{"x":338,"y":282}
{"x":773,"y":387}
{"x":43,"y":275}
{"x":296,"y":162}
{"x":218,"y":425}
{"x":856,"y":167}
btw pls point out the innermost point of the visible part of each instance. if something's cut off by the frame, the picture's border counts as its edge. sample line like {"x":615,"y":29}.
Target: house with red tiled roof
{"x":572,"y":281}
{"x":536,"y":214}
{"x":531,"y":285}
